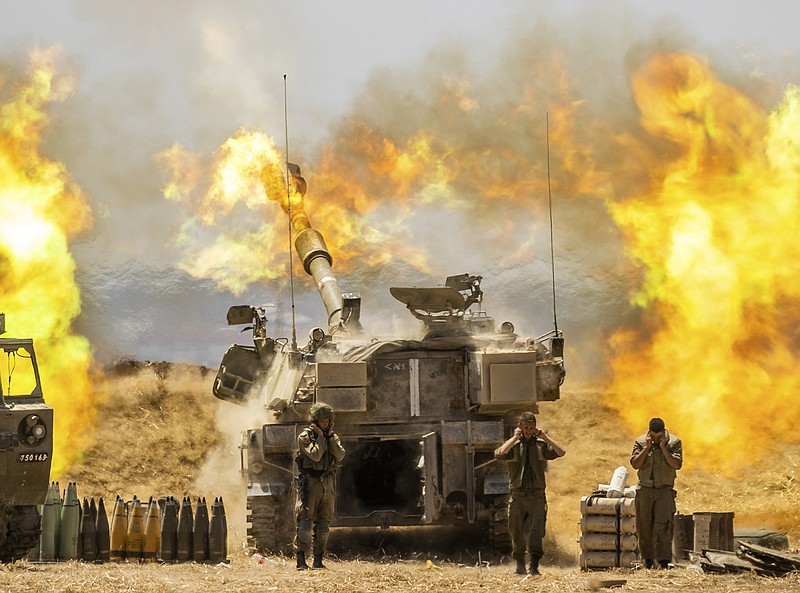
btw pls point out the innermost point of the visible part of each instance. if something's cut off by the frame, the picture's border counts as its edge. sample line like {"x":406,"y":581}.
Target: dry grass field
{"x":361,"y":577}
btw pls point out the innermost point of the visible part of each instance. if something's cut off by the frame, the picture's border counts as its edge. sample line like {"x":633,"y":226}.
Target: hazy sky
{"x":152,"y":73}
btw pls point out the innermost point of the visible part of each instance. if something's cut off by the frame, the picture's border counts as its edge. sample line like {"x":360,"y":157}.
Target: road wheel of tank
{"x":20,"y":527}
{"x":501,"y":538}
{"x":272,"y":525}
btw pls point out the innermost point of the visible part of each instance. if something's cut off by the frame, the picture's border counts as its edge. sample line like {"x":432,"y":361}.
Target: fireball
{"x":40,"y":210}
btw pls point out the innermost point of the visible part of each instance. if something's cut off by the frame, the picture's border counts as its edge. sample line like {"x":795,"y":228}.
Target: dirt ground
{"x":161,"y":432}
{"x":361,"y":577}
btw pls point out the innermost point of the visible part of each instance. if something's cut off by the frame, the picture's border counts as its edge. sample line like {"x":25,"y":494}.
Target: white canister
{"x":616,"y":487}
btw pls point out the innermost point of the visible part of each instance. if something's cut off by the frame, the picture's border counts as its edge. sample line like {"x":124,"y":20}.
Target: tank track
{"x":271,"y":521}
{"x":501,"y":538}
{"x":20,"y":527}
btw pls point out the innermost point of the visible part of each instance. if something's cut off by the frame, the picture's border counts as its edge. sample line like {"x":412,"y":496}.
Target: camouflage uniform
{"x":316,"y":460}
{"x":527,"y":507}
{"x":655,"y":500}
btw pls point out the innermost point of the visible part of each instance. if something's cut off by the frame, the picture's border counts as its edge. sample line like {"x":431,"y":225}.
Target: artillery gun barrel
{"x":317,"y":262}
{"x":343,"y":310}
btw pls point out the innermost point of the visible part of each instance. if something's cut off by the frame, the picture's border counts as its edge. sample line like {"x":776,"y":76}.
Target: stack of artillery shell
{"x":137,"y":532}
{"x":608,"y":533}
{"x":167,"y":534}
{"x":71,"y":531}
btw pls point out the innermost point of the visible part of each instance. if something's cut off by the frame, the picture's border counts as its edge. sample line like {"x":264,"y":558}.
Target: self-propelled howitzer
{"x":419,"y":418}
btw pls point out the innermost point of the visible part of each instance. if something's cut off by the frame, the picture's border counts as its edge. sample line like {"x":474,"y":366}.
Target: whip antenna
{"x":550,"y":206}
{"x":289,"y":211}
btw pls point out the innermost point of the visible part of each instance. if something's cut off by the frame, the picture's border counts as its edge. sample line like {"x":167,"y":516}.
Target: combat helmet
{"x":321,"y":411}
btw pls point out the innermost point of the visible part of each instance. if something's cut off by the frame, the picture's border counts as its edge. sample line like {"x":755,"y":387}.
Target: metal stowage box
{"x":702,"y":531}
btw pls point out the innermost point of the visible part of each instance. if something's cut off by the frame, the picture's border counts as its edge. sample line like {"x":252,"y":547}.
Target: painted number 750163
{"x":27,"y":457}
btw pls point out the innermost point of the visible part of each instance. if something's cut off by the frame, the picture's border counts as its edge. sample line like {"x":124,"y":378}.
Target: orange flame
{"x":39,"y":210}
{"x":249,"y":242}
{"x":364,"y":191}
{"x":715,"y":237}
{"x":369,"y":185}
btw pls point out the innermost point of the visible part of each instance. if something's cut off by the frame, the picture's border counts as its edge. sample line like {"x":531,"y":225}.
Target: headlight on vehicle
{"x":32,"y":430}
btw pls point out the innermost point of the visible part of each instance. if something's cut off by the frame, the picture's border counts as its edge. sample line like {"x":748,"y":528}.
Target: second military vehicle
{"x":26,"y":447}
{"x":419,"y":418}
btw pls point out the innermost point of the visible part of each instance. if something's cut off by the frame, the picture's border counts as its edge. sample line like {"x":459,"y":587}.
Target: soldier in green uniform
{"x":318,"y":450}
{"x":527,"y":453}
{"x":657,"y":456}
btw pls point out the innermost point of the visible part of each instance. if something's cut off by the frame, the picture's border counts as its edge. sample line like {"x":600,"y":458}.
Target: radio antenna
{"x":289,"y":211}
{"x":550,"y":206}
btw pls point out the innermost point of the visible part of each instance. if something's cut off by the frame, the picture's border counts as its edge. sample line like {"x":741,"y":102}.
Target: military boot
{"x":318,"y":561}
{"x":301,"y":561}
{"x":520,"y":567}
{"x":534,"y":570}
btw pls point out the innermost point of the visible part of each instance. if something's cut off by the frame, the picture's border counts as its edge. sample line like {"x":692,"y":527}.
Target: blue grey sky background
{"x":153,"y":73}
